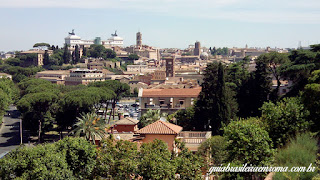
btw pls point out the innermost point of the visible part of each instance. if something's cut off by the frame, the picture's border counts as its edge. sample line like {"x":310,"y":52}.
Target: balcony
{"x":193,"y":139}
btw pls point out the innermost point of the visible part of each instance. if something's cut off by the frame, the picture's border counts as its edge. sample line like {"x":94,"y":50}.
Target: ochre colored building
{"x":161,"y":130}
{"x":126,"y":124}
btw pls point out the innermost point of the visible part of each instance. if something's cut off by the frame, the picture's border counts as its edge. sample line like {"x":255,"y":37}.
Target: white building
{"x":72,"y":40}
{"x":113,"y":41}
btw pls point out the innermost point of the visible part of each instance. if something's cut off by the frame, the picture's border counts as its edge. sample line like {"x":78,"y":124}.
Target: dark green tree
{"x":311,"y":99}
{"x":214,"y":150}
{"x":274,"y":60}
{"x":189,"y":165}
{"x":46,"y":60}
{"x":133,"y":57}
{"x":185,"y":118}
{"x":284,"y":119}
{"x":91,"y":126}
{"x":150,"y":117}
{"x":36,"y":108}
{"x":76,"y":55}
{"x":155,"y":161}
{"x":110,"y":54}
{"x":66,"y":54}
{"x":40,"y":162}
{"x":299,"y":69}
{"x":80,"y":156}
{"x":215,"y":101}
{"x":41,"y":44}
{"x":117,"y":160}
{"x":300,"y":151}
{"x":84,"y":51}
{"x":249,"y":143}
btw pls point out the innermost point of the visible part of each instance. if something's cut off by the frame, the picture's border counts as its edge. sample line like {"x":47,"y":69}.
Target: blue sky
{"x":163,"y":23}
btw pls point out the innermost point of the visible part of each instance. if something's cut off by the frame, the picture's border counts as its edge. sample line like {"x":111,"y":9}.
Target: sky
{"x":163,"y":23}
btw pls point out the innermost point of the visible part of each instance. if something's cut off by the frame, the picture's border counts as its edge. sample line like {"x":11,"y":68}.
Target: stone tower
{"x":139,"y":39}
{"x":197,"y":49}
{"x":170,"y":66}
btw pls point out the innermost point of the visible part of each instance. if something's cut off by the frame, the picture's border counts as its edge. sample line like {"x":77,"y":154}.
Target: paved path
{"x":10,"y":132}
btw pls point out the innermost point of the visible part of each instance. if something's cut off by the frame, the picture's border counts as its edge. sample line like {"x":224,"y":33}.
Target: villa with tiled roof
{"x":161,"y":130}
{"x":167,"y":100}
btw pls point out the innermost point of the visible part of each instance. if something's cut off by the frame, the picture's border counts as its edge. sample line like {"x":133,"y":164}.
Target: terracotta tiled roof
{"x":160,"y":127}
{"x":127,"y":121}
{"x":171,"y":92}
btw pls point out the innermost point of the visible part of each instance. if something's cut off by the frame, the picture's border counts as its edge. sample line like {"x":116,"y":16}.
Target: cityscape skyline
{"x":163,"y":24}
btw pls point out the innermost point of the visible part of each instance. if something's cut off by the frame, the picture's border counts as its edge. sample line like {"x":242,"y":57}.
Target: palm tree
{"x":150,"y":117}
{"x":90,"y":125}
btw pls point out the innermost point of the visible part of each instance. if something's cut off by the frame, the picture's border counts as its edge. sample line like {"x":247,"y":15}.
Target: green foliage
{"x":13,"y":61}
{"x":248,"y":143}
{"x":41,"y":44}
{"x":8,"y":94}
{"x":150,"y":117}
{"x":298,"y":70}
{"x":254,"y":90}
{"x":315,"y":47}
{"x":274,"y":60}
{"x":76,"y":55}
{"x":80,"y":156}
{"x":99,"y":51}
{"x":185,"y":118}
{"x":133,"y":57}
{"x":219,"y":51}
{"x":40,"y":162}
{"x":300,"y":152}
{"x":91,"y":126}
{"x":311,"y":99}
{"x":19,"y":73}
{"x":284,"y":119}
{"x":155,"y":161}
{"x":28,"y":59}
{"x":215,"y":101}
{"x":46,"y":59}
{"x":4,"y":103}
{"x":70,"y":158}
{"x":37,"y":105}
{"x":32,"y":83}
{"x":188,"y":165}
{"x":214,"y":150}
{"x":37,"y":110}
{"x":73,"y":103}
{"x":66,"y":54}
{"x":117,"y":160}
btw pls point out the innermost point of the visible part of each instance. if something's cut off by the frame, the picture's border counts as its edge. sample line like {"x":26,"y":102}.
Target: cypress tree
{"x":213,"y":108}
{"x":46,"y":58}
{"x":84,"y":52}
{"x":77,"y":55}
{"x":66,"y":54}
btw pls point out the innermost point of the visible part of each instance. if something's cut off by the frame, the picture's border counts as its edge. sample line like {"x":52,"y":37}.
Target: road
{"x":10,"y":131}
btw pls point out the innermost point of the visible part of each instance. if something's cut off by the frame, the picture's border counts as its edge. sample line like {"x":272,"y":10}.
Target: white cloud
{"x":284,"y":11}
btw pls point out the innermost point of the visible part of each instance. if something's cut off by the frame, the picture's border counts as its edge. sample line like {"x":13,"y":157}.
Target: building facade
{"x":84,"y":76}
{"x":167,"y":100}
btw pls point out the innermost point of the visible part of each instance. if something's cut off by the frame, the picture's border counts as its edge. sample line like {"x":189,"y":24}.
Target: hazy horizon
{"x":163,"y":24}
